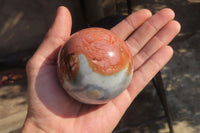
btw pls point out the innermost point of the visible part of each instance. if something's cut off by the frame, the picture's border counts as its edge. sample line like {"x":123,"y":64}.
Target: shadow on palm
{"x":54,"y":97}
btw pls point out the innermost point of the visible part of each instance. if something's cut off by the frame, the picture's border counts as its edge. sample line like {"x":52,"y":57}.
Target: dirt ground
{"x":181,"y":75}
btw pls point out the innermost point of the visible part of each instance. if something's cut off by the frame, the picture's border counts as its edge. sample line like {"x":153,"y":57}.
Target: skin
{"x":50,"y":109}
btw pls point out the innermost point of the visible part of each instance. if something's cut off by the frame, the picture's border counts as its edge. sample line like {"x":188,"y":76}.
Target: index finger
{"x":131,"y":23}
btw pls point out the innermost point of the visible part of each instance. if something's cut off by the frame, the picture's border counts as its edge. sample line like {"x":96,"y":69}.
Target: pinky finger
{"x":148,"y":70}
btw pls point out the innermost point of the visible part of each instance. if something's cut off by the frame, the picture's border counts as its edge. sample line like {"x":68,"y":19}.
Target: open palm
{"x":51,"y":109}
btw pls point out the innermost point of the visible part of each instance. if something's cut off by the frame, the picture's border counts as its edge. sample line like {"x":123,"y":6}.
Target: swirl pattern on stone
{"x":95,"y":66}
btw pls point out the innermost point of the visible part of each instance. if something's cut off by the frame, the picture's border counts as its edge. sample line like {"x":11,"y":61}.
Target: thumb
{"x":56,"y":36}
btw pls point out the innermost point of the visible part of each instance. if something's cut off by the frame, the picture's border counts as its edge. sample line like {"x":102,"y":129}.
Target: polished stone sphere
{"x":95,"y":66}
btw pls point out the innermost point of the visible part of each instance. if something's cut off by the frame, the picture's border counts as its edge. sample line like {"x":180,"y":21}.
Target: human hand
{"x":51,"y":109}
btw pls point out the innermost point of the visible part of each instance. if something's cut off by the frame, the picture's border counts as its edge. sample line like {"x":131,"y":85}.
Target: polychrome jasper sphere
{"x":95,"y":66}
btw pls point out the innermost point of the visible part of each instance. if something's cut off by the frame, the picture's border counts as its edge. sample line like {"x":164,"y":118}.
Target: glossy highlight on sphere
{"x":95,"y":66}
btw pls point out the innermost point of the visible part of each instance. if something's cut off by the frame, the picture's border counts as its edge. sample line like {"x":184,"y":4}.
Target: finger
{"x":148,"y":70}
{"x":163,"y":37}
{"x":137,"y":40}
{"x":132,"y":22}
{"x":142,"y":77}
{"x":56,"y":36}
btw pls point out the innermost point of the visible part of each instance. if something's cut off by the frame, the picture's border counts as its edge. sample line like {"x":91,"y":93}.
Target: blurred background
{"x":23,"y":25}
